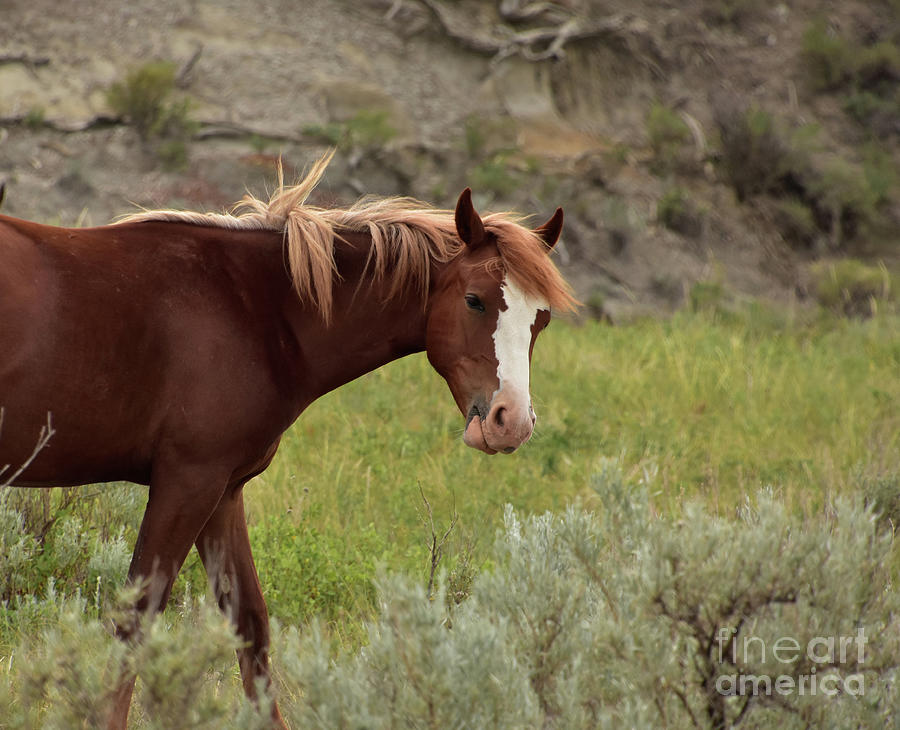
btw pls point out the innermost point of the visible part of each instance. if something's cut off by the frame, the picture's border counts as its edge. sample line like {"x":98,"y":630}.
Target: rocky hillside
{"x":715,"y":148}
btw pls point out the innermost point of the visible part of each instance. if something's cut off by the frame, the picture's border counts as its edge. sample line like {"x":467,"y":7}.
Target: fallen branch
{"x":549,"y":42}
{"x":514,"y":11}
{"x":233,"y":130}
{"x":101,"y":121}
{"x":31,"y":62}
{"x":206,"y":130}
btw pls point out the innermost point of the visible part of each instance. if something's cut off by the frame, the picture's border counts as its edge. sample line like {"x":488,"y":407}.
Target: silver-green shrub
{"x":610,"y":618}
{"x":17,"y":548}
{"x":622,"y":619}
{"x":66,"y":675}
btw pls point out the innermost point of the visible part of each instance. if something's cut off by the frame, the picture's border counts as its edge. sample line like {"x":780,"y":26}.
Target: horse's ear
{"x":549,"y":232}
{"x":468,"y":222}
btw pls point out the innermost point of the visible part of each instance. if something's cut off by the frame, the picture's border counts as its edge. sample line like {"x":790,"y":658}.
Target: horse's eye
{"x":473,"y":302}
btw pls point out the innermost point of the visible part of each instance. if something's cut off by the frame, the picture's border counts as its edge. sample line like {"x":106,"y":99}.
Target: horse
{"x":173,"y":349}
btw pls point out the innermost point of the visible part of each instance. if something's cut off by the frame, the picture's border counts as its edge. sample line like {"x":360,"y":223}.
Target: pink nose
{"x":507,"y":426}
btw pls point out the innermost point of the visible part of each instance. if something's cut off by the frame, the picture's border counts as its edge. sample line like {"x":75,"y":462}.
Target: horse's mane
{"x":407,"y":235}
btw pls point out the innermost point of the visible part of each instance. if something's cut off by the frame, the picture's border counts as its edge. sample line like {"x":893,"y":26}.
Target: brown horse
{"x":173,"y":349}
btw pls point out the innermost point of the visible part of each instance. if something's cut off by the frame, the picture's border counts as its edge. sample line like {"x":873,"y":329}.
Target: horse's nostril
{"x":498,"y":416}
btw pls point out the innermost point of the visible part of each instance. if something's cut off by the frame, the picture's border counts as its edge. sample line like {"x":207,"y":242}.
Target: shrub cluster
{"x":613,"y":618}
{"x":851,"y":287}
{"x":867,"y":75}
{"x":326,"y":578}
{"x":146,"y":98}
{"x":65,"y":542}
{"x":365,"y":130}
{"x":843,"y":199}
{"x":677,"y":212}
{"x":669,"y":138}
{"x":621,"y":619}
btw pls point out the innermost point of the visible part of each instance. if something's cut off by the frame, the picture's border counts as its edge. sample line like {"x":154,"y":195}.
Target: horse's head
{"x":482,"y":325}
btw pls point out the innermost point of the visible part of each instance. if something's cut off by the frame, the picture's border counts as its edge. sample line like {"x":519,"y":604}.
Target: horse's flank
{"x":407,"y":236}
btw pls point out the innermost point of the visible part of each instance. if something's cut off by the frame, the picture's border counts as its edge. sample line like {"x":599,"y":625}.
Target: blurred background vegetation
{"x":732,"y":141}
{"x":729,"y":173}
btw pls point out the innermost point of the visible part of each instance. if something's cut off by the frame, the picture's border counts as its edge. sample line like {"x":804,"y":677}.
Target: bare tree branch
{"x":183,"y":78}
{"x":516,"y":11}
{"x":549,"y":42}
{"x":29,"y":62}
{"x":44,"y":437}
{"x":435,"y":545}
{"x":99,"y":121}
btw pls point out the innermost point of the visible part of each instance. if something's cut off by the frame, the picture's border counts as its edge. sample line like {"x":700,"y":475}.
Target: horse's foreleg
{"x":224,"y":547}
{"x":181,"y":501}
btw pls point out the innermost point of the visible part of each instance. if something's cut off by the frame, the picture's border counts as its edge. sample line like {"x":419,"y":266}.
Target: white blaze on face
{"x":512,"y":340}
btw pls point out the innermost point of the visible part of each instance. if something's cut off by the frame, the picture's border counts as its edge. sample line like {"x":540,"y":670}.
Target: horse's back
{"x":132,"y":336}
{"x":54,"y":316}
{"x":24,"y":283}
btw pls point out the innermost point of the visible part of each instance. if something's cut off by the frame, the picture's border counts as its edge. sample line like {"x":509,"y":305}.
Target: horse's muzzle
{"x":505,"y":427}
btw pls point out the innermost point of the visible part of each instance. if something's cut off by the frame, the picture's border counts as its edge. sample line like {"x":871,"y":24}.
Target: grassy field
{"x":707,"y":406}
{"x":718,"y":405}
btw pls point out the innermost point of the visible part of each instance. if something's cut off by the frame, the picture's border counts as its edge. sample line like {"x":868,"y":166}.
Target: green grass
{"x":720,"y":404}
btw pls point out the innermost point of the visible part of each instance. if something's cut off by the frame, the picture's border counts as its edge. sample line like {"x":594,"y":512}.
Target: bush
{"x":495,"y":175}
{"x":35,"y":118}
{"x":65,"y":539}
{"x":18,"y":548}
{"x":669,"y":137}
{"x":877,"y":67}
{"x":143,"y":97}
{"x":755,"y":158}
{"x":370,"y":128}
{"x":173,"y":154}
{"x":596,"y":306}
{"x":850,"y":287}
{"x":877,"y":114}
{"x":306,"y":573}
{"x":844,"y":197}
{"x":880,"y":173}
{"x":828,"y":58}
{"x":731,"y":11}
{"x":882,"y":494}
{"x":617,"y":617}
{"x":367,"y":129}
{"x":622,"y":619}
{"x":706,"y":296}
{"x":145,"y":100}
{"x":870,"y":73}
{"x":678,"y":213}
{"x":65,"y":676}
{"x":796,"y":222}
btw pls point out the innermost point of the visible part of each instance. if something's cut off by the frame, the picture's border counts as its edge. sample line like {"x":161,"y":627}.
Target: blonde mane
{"x":407,"y":236}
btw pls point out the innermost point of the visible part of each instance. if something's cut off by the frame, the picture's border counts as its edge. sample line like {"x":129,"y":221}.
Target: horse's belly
{"x":65,"y":443}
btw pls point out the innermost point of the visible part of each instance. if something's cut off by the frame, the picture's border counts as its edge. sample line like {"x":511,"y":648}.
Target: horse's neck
{"x":368,"y":328}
